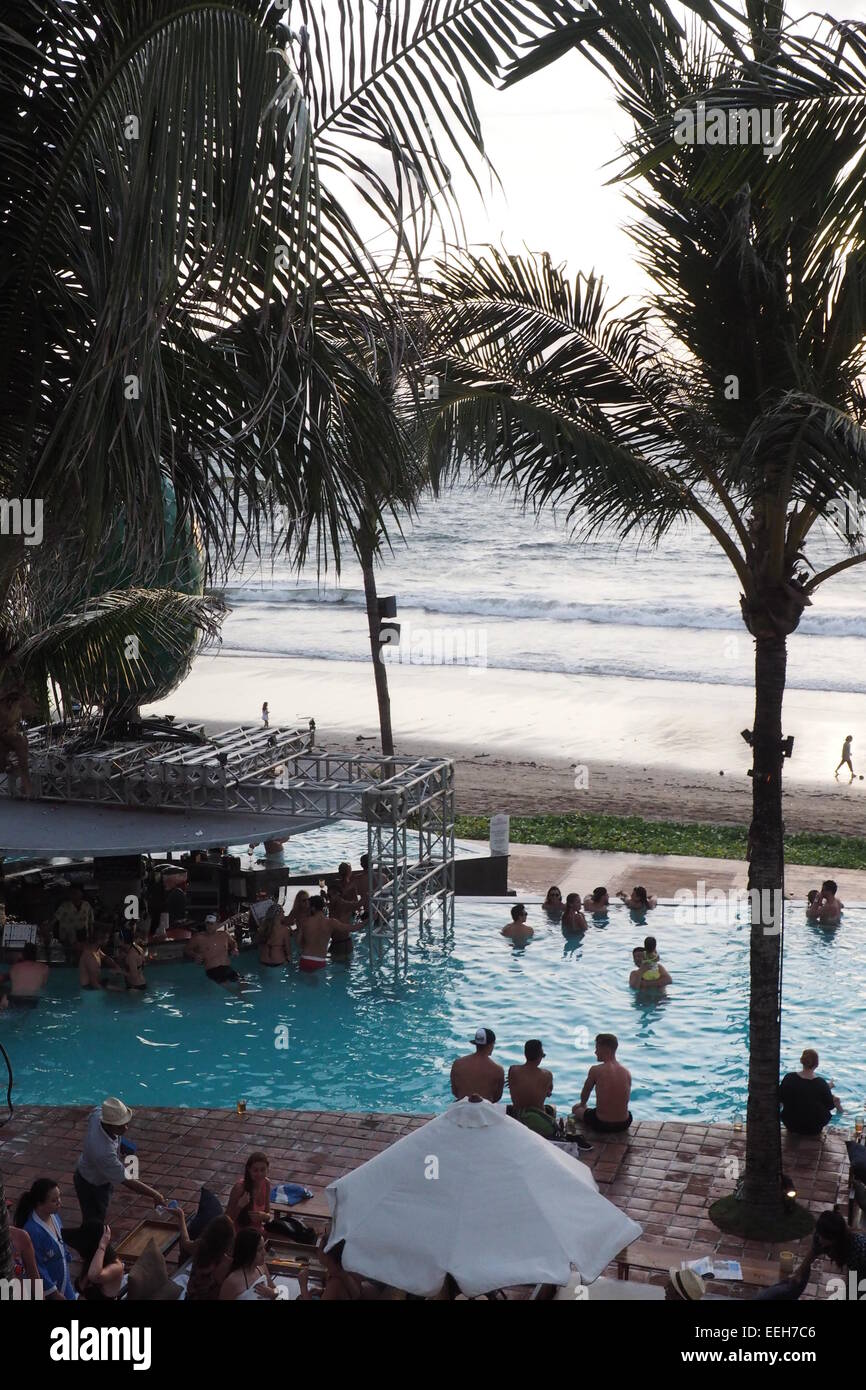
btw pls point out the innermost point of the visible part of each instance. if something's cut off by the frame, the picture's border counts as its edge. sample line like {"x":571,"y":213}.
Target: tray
{"x":165,"y":1233}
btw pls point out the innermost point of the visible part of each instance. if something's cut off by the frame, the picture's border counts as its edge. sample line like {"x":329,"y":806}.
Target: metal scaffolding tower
{"x":408,"y":804}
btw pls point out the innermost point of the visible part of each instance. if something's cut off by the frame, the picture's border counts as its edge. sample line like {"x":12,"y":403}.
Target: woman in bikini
{"x":250,"y":1199}
{"x":133,"y":963}
{"x":275,"y":938}
{"x":248,"y":1277}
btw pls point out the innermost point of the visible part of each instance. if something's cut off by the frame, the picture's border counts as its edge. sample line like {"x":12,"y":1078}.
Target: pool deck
{"x":533,"y":868}
{"x":664,"y":1175}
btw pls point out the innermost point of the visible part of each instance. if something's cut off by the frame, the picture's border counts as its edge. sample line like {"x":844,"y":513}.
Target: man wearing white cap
{"x":100,"y":1167}
{"x":477,"y":1074}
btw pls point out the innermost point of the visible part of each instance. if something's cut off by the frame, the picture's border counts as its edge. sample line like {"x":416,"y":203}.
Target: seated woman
{"x":249,"y":1201}
{"x":102,"y":1271}
{"x":211,"y":1257}
{"x":38,"y":1213}
{"x":274,"y":939}
{"x":24,"y":1264}
{"x":552,"y":904}
{"x":573,"y":921}
{"x":846,"y":1248}
{"x":248,"y":1277}
{"x":806,"y":1100}
{"x":639,"y":901}
{"x":341,"y":1286}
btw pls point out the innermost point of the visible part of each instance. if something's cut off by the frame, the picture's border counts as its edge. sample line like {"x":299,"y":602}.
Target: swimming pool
{"x":358,"y":1041}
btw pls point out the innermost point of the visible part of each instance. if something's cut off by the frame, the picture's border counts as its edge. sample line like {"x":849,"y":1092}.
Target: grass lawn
{"x":632,"y":835}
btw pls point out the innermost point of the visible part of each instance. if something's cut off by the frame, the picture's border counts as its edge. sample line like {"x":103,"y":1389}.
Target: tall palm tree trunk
{"x":762,"y":1185}
{"x":5,"y":1243}
{"x":380,"y":670}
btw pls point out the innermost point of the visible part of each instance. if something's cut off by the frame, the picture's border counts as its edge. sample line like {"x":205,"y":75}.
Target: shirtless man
{"x":636,"y":978}
{"x":315,"y":933}
{"x":343,"y":898}
{"x":573,"y":921}
{"x":477,"y":1074}
{"x":529,"y":1083}
{"x":275,"y":938}
{"x":518,"y":929}
{"x":212,"y":948}
{"x":827,"y":907}
{"x":612,"y":1085}
{"x":597,"y":901}
{"x":92,"y":962}
{"x":27,"y":978}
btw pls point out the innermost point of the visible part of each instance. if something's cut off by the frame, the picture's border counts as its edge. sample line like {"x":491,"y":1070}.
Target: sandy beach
{"x":661,"y":750}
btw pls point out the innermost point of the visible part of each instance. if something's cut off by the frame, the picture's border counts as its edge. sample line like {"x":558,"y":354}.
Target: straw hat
{"x":688,"y":1285}
{"x":114,"y":1112}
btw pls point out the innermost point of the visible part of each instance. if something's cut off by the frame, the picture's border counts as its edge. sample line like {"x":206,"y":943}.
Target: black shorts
{"x":23,"y":1001}
{"x":221,"y":973}
{"x":144,"y":986}
{"x":591,"y":1120}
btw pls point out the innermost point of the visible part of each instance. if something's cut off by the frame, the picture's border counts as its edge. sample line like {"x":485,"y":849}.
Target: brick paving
{"x":664,"y":1175}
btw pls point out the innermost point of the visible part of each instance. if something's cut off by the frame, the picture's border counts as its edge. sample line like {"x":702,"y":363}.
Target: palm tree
{"x":732,"y":395}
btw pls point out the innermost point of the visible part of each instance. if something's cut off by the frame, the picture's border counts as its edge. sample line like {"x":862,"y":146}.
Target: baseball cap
{"x":484,"y":1037}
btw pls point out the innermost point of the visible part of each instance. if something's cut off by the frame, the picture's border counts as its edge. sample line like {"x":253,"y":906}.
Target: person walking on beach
{"x":100,"y":1168}
{"x":845,"y":760}
{"x":266,"y":715}
{"x":612,"y":1085}
{"x":477,"y":1074}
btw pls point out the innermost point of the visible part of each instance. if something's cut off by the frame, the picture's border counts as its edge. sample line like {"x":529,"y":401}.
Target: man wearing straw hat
{"x":100,"y":1167}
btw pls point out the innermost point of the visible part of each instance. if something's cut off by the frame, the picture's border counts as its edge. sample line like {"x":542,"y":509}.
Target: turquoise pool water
{"x":358,"y":1041}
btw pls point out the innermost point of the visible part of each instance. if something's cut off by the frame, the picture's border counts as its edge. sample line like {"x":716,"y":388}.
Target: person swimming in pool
{"x":640,"y":901}
{"x":827,"y":907}
{"x":315,"y":934}
{"x":26,"y":980}
{"x":93,"y":961}
{"x":518,"y":929}
{"x":133,"y":963}
{"x":657,"y":977}
{"x":597,"y":901}
{"x":573,"y":921}
{"x":213,"y":948}
{"x":552,"y":904}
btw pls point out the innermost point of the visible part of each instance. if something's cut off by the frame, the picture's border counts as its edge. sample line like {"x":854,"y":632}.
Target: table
{"x":643,"y":1254}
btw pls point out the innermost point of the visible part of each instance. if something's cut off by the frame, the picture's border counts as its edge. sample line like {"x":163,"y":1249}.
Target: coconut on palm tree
{"x":732,"y":395}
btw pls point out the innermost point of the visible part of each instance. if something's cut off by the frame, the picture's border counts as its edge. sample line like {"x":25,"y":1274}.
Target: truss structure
{"x":408,"y":804}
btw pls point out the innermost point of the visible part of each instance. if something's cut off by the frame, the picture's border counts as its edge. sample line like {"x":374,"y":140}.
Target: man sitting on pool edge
{"x":477,"y":1074}
{"x":612,"y":1085}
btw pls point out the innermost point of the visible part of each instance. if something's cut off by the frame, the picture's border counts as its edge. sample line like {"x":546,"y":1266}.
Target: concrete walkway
{"x":533,"y":868}
{"x":665,"y":1176}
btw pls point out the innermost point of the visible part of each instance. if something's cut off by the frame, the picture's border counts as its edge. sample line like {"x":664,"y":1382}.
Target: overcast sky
{"x":550,"y":138}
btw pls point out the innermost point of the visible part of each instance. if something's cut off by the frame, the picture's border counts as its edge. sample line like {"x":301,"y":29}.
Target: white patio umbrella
{"x":477,"y":1195}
